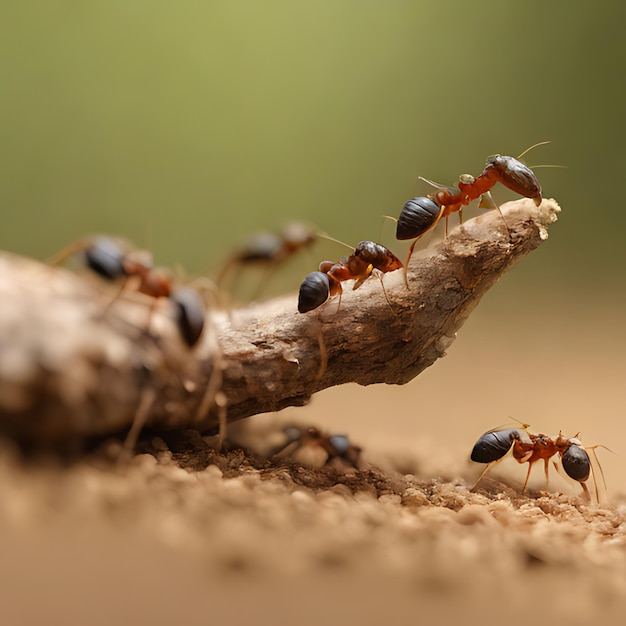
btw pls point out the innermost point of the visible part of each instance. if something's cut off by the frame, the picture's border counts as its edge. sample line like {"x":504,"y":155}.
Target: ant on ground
{"x":526,"y":447}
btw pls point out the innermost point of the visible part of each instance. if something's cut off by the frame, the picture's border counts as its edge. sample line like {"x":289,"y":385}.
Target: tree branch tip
{"x":96,"y":368}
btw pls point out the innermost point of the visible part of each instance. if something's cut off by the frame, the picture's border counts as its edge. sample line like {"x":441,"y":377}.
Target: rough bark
{"x":72,"y":364}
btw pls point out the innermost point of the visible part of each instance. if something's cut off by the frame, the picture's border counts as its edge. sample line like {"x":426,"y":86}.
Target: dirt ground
{"x":183,"y":533}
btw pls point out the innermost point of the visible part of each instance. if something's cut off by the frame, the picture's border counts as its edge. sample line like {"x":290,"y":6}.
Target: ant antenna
{"x":432,"y":183}
{"x":536,"y":145}
{"x":523,"y":425}
{"x":324,"y":235}
{"x":68,"y":251}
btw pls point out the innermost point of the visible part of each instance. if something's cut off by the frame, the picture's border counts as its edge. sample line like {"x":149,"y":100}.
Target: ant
{"x":367,"y":257}
{"x":419,"y":215}
{"x":112,"y":260}
{"x":269,"y":249}
{"x":334,"y":446}
{"x":527,"y":447}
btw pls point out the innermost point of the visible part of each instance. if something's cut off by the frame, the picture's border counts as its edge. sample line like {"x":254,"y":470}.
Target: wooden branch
{"x":72,"y":364}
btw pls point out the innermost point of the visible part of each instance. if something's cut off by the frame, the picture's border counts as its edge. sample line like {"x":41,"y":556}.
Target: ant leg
{"x":148,"y":396}
{"x":213,"y":396}
{"x":338,"y":303}
{"x":546,"y":466}
{"x":380,"y":276}
{"x":118,"y":295}
{"x":595,"y":457}
{"x":323,"y":356}
{"x":489,"y":467}
{"x":482,"y":474}
{"x":487,"y":202}
{"x":530,"y":466}
{"x":406,"y":264}
{"x":593,"y":474}
{"x":221,"y":402}
{"x":151,"y":309}
{"x":586,"y":494}
{"x":264,"y":282}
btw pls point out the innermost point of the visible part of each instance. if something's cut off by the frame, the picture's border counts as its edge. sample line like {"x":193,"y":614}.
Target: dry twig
{"x":69,"y":370}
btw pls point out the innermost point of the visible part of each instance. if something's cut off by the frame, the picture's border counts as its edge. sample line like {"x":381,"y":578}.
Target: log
{"x":74,"y":363}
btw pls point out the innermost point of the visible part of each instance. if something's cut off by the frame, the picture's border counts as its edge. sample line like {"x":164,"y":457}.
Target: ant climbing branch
{"x":68,"y":371}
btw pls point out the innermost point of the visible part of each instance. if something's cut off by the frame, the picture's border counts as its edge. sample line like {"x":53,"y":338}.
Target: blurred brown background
{"x":187,"y":126}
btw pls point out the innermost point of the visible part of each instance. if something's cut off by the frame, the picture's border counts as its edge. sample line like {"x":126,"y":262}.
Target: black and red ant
{"x":268,"y":249}
{"x":115,"y":260}
{"x":325,"y":448}
{"x":419,"y":215}
{"x":367,"y":258}
{"x":527,"y":447}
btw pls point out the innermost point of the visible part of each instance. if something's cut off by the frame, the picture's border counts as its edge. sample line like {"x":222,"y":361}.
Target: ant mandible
{"x":526,"y":447}
{"x":419,"y":215}
{"x":367,"y":257}
{"x":112,"y":260}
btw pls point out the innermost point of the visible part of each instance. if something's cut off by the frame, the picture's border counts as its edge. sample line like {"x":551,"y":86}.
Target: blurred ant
{"x":314,"y":440}
{"x":269,"y":250}
{"x":367,"y":258}
{"x":112,"y":260}
{"x":527,"y":447}
{"x":419,"y":215}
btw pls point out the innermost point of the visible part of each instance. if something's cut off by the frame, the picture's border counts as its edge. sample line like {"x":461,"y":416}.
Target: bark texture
{"x":72,"y":364}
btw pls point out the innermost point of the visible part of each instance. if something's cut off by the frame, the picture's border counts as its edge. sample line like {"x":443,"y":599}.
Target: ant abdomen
{"x":106,"y":258}
{"x":314,"y":291}
{"x":262,"y":247}
{"x":576,"y":463}
{"x":340,"y":443}
{"x":418,"y":215}
{"x":190,"y":313}
{"x":492,"y":446}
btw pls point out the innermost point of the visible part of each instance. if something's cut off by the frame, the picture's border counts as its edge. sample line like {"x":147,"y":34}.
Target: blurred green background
{"x":186,"y":126}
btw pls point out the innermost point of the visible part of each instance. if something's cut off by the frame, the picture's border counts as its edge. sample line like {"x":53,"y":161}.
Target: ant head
{"x":298,"y":234}
{"x":138,"y":262}
{"x":495,"y":159}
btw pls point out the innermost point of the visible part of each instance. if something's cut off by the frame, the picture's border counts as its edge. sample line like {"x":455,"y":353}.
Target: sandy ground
{"x":184,"y":534}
